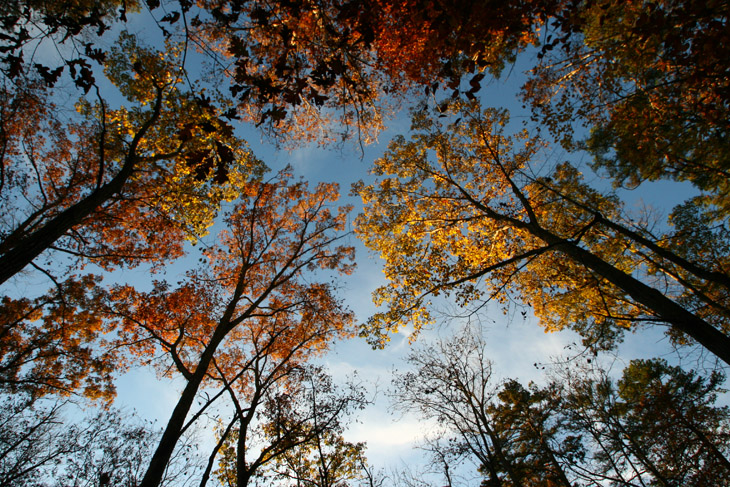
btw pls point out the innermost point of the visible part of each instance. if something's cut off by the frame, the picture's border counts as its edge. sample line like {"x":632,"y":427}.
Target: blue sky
{"x":515,"y":343}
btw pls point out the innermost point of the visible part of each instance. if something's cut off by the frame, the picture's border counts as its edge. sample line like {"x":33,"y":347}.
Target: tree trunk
{"x":31,"y":246}
{"x":173,"y":430}
{"x":244,"y":470}
{"x":666,"y":309}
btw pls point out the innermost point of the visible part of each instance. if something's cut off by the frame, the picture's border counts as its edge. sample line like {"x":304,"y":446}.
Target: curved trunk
{"x":31,"y":246}
{"x":173,"y":430}
{"x":666,"y":309}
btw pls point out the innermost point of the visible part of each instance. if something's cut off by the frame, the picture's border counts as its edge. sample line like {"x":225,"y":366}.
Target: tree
{"x":93,"y":188}
{"x":656,"y":425}
{"x":71,"y":29}
{"x":452,"y":383}
{"x":531,"y":417}
{"x":586,"y":428}
{"x":113,"y":447}
{"x":515,"y":435}
{"x":323,"y":70}
{"x":324,"y":458}
{"x":40,"y":445}
{"x":257,"y":281}
{"x":118,"y":187}
{"x":650,"y":81}
{"x":53,"y":345}
{"x":291,"y":431}
{"x":297,"y":68}
{"x":32,"y":441}
{"x":659,"y":399}
{"x":330,"y":461}
{"x":460,"y":210}
{"x":634,"y":430}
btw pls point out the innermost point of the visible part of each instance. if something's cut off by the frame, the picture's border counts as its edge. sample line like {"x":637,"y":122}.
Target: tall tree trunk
{"x":666,"y":309}
{"x":496,"y":441}
{"x":244,"y":469}
{"x":31,"y":246}
{"x":544,"y":444}
{"x":173,"y":430}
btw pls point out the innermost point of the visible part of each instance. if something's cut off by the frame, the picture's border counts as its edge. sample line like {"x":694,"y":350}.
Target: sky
{"x":515,"y":344}
{"x":518,"y":346}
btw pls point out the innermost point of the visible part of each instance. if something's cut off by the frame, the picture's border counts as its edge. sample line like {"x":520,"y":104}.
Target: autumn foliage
{"x":650,"y":80}
{"x":463,"y":209}
{"x":53,"y":344}
{"x":250,"y":302}
{"x":115,"y":154}
{"x":96,"y":187}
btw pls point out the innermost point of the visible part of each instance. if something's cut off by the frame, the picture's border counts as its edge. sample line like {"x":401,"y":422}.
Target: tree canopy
{"x":655,"y":425}
{"x":462,"y":208}
{"x":122,"y":146}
